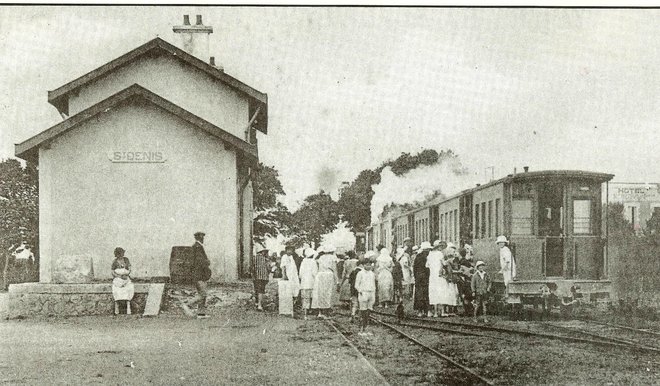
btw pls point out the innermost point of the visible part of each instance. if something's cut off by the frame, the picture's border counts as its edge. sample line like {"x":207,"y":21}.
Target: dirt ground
{"x":239,"y":345}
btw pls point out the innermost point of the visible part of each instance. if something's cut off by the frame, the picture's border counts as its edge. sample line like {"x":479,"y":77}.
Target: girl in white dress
{"x":289,"y":285}
{"x":308,"y":270}
{"x":437,"y":284}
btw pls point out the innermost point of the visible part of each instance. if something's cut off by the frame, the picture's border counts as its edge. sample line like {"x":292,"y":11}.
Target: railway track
{"x":627,"y":328}
{"x":475,"y":377}
{"x":594,"y":339}
{"x":448,"y":359}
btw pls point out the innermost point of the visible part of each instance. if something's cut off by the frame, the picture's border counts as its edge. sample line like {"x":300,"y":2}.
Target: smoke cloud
{"x":445,"y":178}
{"x":326,"y":179}
{"x":341,"y":237}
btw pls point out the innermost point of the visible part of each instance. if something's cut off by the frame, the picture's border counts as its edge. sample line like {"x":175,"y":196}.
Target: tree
{"x":270,"y":215}
{"x":317,"y":216}
{"x":355,"y":201}
{"x":19,"y":208}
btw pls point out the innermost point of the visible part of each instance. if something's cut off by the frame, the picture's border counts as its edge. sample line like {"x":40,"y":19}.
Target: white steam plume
{"x":341,"y":237}
{"x":446,"y":178}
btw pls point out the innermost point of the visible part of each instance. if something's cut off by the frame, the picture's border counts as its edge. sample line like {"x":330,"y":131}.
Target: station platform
{"x":237,"y":345}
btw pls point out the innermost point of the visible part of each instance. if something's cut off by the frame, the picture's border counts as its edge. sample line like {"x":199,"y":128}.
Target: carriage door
{"x":551,"y":227}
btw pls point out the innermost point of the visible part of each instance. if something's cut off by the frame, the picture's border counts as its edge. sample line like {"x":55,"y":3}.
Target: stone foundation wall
{"x":39,"y":299}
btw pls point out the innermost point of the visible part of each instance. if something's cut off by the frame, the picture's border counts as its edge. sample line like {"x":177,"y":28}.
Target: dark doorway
{"x":551,"y":226}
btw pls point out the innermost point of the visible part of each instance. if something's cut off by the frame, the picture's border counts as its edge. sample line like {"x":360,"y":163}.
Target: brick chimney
{"x":194,"y":38}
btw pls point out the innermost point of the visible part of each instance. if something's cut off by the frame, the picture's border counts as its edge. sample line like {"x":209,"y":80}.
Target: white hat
{"x":479,"y":263}
{"x":501,"y":239}
{"x":400,"y":251}
{"x":309,"y":252}
{"x":415,"y":247}
{"x":407,"y":239}
{"x":329,"y":248}
{"x":260,"y":248}
{"x":369,"y":254}
{"x":451,"y":245}
{"x":425,"y":246}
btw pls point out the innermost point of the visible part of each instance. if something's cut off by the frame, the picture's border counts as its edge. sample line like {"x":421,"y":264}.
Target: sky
{"x":349,"y":88}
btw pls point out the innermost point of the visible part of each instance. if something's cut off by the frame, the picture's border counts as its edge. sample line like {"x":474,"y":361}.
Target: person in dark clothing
{"x":354,"y":292}
{"x":464,"y":278}
{"x":201,"y":272}
{"x":421,"y":274}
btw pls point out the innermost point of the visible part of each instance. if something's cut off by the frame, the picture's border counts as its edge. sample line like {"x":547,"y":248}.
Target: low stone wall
{"x":41,"y":299}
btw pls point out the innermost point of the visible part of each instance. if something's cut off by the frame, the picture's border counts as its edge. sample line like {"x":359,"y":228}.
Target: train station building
{"x":155,"y":145}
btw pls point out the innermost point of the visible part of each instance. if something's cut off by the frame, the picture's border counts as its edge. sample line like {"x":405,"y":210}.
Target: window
{"x":483,"y":220}
{"x":456,"y":225}
{"x":521,"y":220}
{"x":581,"y":216}
{"x":490,"y":218}
{"x":476,"y":221}
{"x":497,"y":217}
{"x":442,"y":226}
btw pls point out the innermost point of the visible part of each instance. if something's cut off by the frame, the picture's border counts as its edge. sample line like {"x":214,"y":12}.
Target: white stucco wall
{"x":177,"y":82}
{"x":89,"y":205}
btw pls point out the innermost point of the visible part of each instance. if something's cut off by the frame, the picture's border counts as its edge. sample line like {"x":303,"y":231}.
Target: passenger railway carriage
{"x":554,"y":222}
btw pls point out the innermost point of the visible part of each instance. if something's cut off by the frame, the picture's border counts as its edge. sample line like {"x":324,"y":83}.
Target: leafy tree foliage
{"x":355,"y":202}
{"x":19,"y":207}
{"x":271,"y":216}
{"x":319,"y":214}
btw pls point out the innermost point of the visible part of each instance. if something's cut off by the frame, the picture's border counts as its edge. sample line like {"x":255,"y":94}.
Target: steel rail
{"x":434,"y":351}
{"x":604,"y":343}
{"x":645,"y":331}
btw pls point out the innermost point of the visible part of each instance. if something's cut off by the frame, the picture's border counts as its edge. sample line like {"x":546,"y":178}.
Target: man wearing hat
{"x":480,"y":289}
{"x":260,"y":271}
{"x":201,"y":272}
{"x":507,"y":262}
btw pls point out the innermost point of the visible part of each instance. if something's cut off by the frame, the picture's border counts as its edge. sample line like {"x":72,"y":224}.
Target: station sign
{"x":139,"y":157}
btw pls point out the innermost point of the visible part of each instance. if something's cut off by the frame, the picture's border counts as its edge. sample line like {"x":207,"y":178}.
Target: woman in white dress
{"x":122,"y":287}
{"x":406,"y":267}
{"x":308,"y":271}
{"x":384,"y":278}
{"x":325,"y":281}
{"x":437,"y":284}
{"x":289,"y":285}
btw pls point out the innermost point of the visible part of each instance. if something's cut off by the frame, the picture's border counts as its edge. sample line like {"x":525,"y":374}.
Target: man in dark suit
{"x":201,"y":272}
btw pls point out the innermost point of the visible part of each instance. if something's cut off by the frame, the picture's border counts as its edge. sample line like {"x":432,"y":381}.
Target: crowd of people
{"x":440,"y":279}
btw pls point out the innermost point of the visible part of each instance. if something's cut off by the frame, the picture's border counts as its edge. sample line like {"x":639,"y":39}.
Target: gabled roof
{"x":28,"y":150}
{"x":59,"y":96}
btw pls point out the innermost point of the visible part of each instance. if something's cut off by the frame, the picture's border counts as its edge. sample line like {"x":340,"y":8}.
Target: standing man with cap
{"x":507,"y":262}
{"x":201,"y":272}
{"x":260,"y":272}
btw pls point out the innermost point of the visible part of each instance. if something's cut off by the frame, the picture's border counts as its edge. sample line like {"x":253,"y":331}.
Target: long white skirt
{"x":122,"y":289}
{"x":284,"y":293}
{"x":322,"y":293}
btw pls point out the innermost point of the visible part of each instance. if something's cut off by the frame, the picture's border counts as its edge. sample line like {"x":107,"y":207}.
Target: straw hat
{"x":425,"y":246}
{"x":309,"y":252}
{"x":501,"y":239}
{"x":329,"y":248}
{"x":479,"y":263}
{"x":451,"y":245}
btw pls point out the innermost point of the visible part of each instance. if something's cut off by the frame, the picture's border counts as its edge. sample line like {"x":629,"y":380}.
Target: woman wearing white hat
{"x":308,"y":271}
{"x":325,"y":281}
{"x":507,"y":262}
{"x":384,"y":278}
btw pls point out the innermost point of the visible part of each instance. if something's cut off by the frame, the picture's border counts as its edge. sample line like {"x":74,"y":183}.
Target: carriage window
{"x":521,"y":223}
{"x":476,"y":221}
{"x":483,"y":220}
{"x":490,"y":218}
{"x":581,"y":216}
{"x":497,"y":216}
